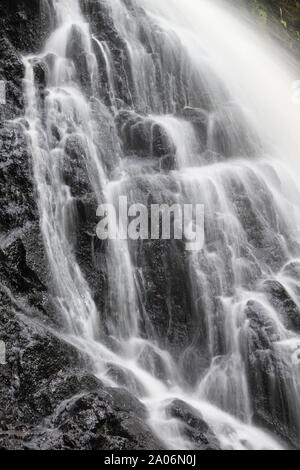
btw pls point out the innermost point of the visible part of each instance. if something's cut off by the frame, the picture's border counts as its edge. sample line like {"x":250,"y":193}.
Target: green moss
{"x":282,"y":15}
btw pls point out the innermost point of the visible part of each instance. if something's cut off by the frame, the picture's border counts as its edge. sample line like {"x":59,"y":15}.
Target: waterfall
{"x":185,"y":113}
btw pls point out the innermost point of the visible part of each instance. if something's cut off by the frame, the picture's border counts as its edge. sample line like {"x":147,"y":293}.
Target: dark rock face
{"x":108,"y":419}
{"x":103,"y":28}
{"x":283,"y":303}
{"x":195,"y":428}
{"x":125,"y":378}
{"x":45,"y":383}
{"x":24,"y":268}
{"x":12,"y":72}
{"x":262,"y":233}
{"x":25,"y":24}
{"x":50,"y":398}
{"x":75,"y":52}
{"x":74,"y":168}
{"x":270,"y":377}
{"x":143,"y":137}
{"x":23,"y":264}
{"x":28,"y":374}
{"x":16,"y":187}
{"x":48,"y":401}
{"x":168,"y":89}
{"x":166,"y":298}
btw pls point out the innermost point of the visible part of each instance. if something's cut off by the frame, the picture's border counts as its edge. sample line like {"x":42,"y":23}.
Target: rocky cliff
{"x":49,"y":395}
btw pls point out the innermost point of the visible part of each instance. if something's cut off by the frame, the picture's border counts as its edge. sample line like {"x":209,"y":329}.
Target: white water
{"x":257,"y":73}
{"x":229,"y":273}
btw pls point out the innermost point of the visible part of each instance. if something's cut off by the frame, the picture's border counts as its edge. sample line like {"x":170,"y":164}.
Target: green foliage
{"x":262,"y":11}
{"x":283,"y":15}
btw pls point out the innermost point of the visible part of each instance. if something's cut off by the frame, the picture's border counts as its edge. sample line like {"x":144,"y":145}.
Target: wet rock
{"x":75,"y":171}
{"x":76,"y":51}
{"x":155,"y":364}
{"x":269,"y":376}
{"x":24,"y":269}
{"x":75,"y":148}
{"x":230,"y":133}
{"x":40,"y":71}
{"x":292,"y":269}
{"x":102,"y":26}
{"x":199,"y":118}
{"x":169,"y":318}
{"x":143,"y":136}
{"x":262,"y":330}
{"x":123,"y":400}
{"x":22,"y":278}
{"x":161,"y":143}
{"x":34,"y":357}
{"x":42,"y":389}
{"x":282,"y":302}
{"x":26,"y":24}
{"x":17,"y":205}
{"x":48,"y":397}
{"x":195,"y":428}
{"x":48,"y":403}
{"x":168,"y":163}
{"x":90,"y":252}
{"x":125,"y":378}
{"x":258,"y":217}
{"x":195,"y":115}
{"x":11,"y":72}
{"x":169,"y":83}
{"x":95,"y":421}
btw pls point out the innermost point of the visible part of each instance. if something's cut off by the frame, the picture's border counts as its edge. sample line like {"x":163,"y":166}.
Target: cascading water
{"x":178,"y":128}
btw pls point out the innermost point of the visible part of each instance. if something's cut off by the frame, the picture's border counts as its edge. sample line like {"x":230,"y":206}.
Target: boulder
{"x":26,"y":24}
{"x":144,"y":137}
{"x":282,"y":302}
{"x":104,"y":420}
{"x":195,"y":428}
